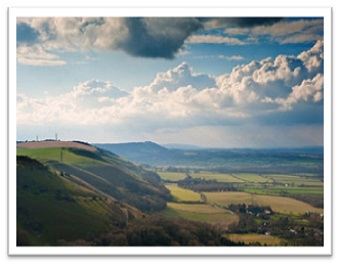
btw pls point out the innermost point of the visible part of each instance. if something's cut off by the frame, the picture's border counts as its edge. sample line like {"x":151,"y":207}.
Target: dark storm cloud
{"x":251,"y":22}
{"x":164,"y":37}
{"x":242,"y":22}
{"x":152,"y":37}
{"x":157,"y":37}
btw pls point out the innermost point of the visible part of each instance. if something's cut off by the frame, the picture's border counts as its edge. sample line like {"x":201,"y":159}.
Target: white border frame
{"x":324,"y":12}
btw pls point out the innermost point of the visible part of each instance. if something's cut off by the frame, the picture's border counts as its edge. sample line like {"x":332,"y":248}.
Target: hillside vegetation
{"x":50,"y":208}
{"x":106,"y":172}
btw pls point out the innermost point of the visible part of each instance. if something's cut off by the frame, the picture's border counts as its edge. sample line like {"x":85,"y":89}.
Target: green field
{"x":201,"y":212}
{"x":296,"y":180}
{"x":254,"y":238}
{"x":182,"y":194}
{"x":251,"y":177}
{"x":277,"y":203}
{"x":57,"y":154}
{"x":283,"y":190}
{"x":291,"y":180}
{"x":219,"y":177}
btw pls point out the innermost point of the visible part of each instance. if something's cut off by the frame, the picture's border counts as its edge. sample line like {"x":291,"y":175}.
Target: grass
{"x":283,"y":190}
{"x":182,"y":194}
{"x":51,"y":208}
{"x":64,"y":220}
{"x":277,"y":203}
{"x":106,"y":172}
{"x":201,"y":212}
{"x":57,"y":154}
{"x":252,"y":238}
{"x":298,"y":181}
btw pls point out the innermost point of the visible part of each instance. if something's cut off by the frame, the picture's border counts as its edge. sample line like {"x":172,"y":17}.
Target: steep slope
{"x":50,"y":208}
{"x":104,"y":172}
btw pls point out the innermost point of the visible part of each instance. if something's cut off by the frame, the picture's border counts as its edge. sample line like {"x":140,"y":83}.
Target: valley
{"x":75,"y":193}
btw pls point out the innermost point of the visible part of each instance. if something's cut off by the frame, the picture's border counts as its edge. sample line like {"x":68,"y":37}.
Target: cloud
{"x":80,"y":106}
{"x":37,"y":56}
{"x":149,"y":37}
{"x":213,"y":39}
{"x":180,"y":76}
{"x":270,"y":90}
{"x":297,"y":31}
{"x":213,"y":23}
{"x":231,"y":57}
{"x":157,"y":37}
{"x":143,"y":37}
{"x":152,"y":37}
{"x":275,"y":84}
{"x":224,"y":57}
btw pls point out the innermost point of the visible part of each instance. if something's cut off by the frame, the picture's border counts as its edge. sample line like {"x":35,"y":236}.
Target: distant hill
{"x":278,"y":160}
{"x":141,"y":152}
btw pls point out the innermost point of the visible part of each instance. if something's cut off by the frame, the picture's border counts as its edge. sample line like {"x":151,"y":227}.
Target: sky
{"x":210,"y":82}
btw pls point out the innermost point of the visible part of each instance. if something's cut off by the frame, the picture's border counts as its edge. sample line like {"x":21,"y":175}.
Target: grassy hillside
{"x":51,"y":208}
{"x":106,"y":173}
{"x":72,"y":197}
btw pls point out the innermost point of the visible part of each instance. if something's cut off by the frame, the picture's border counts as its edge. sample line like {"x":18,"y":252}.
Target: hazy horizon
{"x":212,"y":82}
{"x":173,"y":145}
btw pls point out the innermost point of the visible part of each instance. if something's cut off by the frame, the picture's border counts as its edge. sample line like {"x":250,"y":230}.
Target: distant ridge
{"x":182,"y":146}
{"x":141,"y":152}
{"x":258,"y":160}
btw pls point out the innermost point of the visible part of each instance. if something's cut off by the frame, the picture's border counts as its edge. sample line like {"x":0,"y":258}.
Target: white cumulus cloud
{"x":180,"y":97}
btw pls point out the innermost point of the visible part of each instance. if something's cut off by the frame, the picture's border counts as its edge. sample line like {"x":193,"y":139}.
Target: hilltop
{"x":67,"y":190}
{"x":54,"y":143}
{"x":107,"y":172}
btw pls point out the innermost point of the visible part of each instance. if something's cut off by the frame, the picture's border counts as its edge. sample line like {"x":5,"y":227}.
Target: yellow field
{"x":172,"y":176}
{"x":252,"y":238}
{"x":220,"y":177}
{"x":182,"y":194}
{"x":227,"y":198}
{"x":277,"y":203}
{"x":202,"y":213}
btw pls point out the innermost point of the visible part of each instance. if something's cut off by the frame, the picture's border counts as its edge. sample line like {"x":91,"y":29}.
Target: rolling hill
{"x":59,"y":187}
{"x":71,"y":195}
{"x":103,"y":171}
